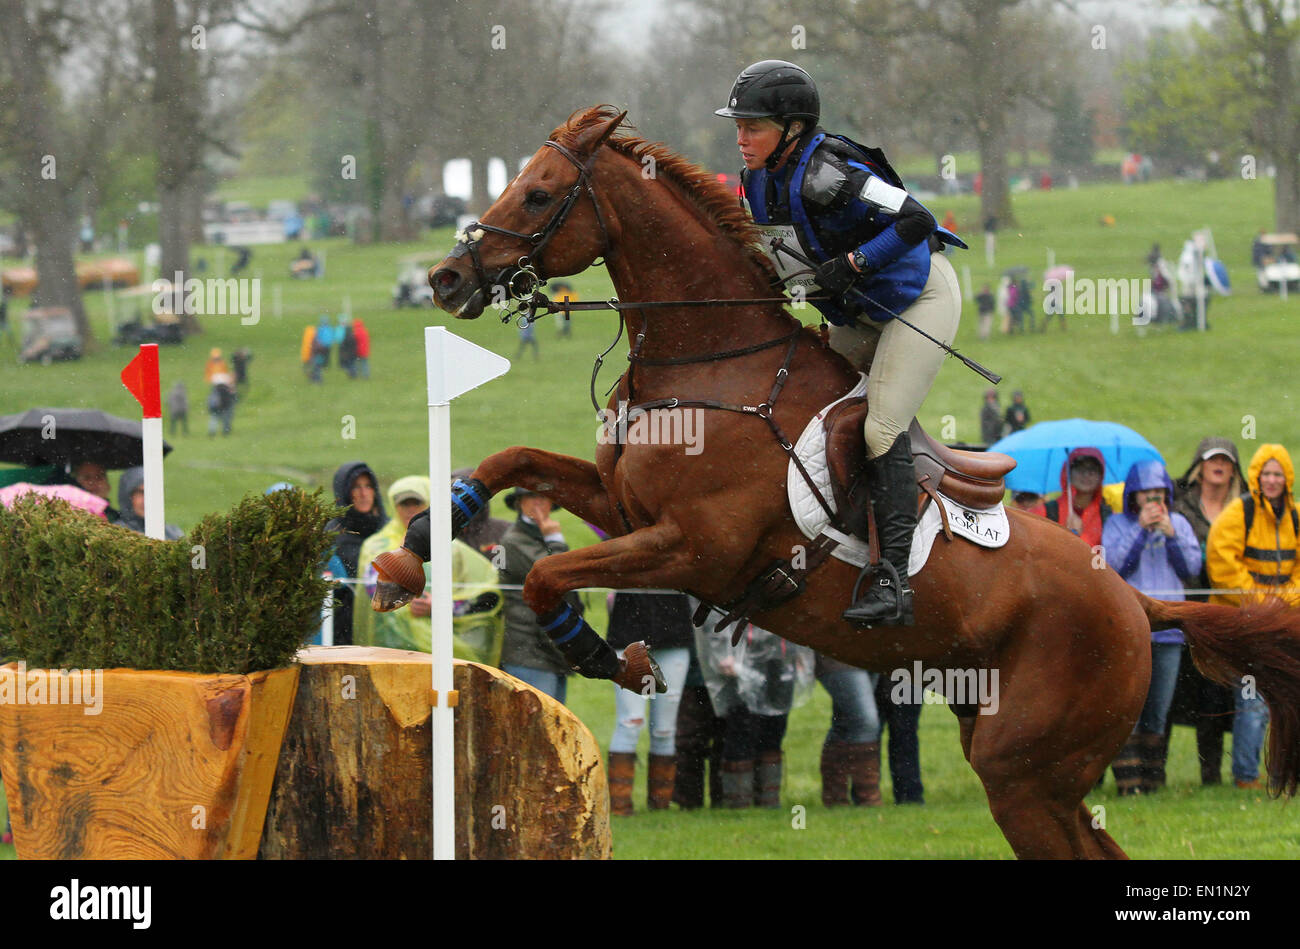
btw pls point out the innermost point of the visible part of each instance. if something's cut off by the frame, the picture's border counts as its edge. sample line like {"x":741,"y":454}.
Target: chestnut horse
{"x":1068,"y":637}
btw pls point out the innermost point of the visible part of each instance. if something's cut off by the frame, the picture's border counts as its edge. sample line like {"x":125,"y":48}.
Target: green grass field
{"x":1173,"y":387}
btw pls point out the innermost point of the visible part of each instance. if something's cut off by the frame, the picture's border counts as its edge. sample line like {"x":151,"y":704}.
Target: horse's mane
{"x":713,"y":199}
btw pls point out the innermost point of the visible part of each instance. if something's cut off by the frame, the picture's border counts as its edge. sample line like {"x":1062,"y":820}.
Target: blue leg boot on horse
{"x":401,"y":577}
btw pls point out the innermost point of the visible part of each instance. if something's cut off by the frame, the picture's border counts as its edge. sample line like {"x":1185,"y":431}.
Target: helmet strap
{"x":774,"y":158}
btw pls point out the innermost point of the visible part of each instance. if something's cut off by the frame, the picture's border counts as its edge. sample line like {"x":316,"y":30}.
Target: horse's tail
{"x":1261,"y":640}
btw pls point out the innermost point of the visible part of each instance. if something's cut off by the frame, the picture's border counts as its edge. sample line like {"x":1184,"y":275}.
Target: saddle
{"x":971,"y":478}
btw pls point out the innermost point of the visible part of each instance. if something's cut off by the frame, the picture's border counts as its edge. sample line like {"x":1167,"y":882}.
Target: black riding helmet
{"x":774,"y":89}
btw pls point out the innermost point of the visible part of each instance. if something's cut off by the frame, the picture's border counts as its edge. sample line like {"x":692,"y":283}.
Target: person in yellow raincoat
{"x":1252,"y":547}
{"x":478,"y":627}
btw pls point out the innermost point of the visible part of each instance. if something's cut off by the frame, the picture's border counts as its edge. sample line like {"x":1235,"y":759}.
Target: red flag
{"x":141,"y":379}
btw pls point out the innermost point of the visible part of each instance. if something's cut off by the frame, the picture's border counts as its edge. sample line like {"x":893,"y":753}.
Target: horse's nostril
{"x":444,"y":280}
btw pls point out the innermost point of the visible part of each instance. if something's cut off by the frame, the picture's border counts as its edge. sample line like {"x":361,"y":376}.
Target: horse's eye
{"x":538,"y":199}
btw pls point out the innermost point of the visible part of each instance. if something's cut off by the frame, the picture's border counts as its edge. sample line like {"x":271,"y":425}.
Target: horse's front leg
{"x":570,"y":482}
{"x":655,"y":556}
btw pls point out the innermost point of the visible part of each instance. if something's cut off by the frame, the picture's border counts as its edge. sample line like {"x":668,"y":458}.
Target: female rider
{"x":823,"y":199}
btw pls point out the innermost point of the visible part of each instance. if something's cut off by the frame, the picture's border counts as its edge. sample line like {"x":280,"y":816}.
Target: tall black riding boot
{"x":892,"y":482}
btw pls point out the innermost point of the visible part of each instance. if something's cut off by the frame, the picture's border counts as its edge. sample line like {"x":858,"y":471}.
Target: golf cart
{"x":1277,"y":269}
{"x":412,"y":287}
{"x":50,"y":333}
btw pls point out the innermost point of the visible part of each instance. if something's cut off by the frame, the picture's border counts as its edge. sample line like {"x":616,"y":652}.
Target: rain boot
{"x":1154,"y":749}
{"x":835,"y":773}
{"x":622,"y":772}
{"x":892,"y":479}
{"x":1209,"y":748}
{"x":1128,"y":767}
{"x":767,"y":779}
{"x":738,"y":784}
{"x":663,"y":772}
{"x":864,"y":769}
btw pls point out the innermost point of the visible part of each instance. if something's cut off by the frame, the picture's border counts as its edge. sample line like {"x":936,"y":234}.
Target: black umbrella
{"x":58,"y":436}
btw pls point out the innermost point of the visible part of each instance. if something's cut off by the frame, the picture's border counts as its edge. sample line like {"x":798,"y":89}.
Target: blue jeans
{"x":552,"y":683}
{"x":1165,"y":659}
{"x":854,"y":718}
{"x":629,"y":707}
{"x":1247,"y":735}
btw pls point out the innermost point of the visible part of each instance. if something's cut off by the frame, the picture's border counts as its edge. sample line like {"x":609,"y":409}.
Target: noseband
{"x":521,"y":279}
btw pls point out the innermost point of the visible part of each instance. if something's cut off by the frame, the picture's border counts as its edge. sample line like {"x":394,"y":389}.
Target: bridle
{"x":521,"y":279}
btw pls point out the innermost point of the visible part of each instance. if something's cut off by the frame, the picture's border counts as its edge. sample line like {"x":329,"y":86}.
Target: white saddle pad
{"x":988,"y":527}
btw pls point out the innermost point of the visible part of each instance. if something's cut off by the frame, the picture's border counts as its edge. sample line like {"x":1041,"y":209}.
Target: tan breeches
{"x":901,"y":363}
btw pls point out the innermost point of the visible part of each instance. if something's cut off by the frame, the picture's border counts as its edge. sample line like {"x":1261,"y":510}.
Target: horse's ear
{"x":597,"y":134}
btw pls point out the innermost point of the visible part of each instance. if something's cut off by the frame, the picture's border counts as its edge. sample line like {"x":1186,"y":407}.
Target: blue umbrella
{"x":1041,"y":449}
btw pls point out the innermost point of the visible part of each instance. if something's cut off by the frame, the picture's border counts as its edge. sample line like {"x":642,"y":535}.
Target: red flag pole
{"x":141,"y":379}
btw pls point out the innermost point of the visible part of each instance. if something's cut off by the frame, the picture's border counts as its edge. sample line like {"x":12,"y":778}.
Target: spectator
{"x":528,"y":337}
{"x":89,"y":476}
{"x":990,"y":417}
{"x":699,"y":739}
{"x":241,"y":261}
{"x":321,"y":345}
{"x":357,"y":489}
{"x":347,"y":346}
{"x":1155,"y":550}
{"x":1081,"y":509}
{"x":850,"y":759}
{"x":1027,"y":501}
{"x":987,"y":304}
{"x":990,"y":234}
{"x":241,"y":357}
{"x":215,"y":366}
{"x":178,"y":407}
{"x":1211,"y":482}
{"x":753,"y":688}
{"x":362,"y":336}
{"x":130,"y":500}
{"x":528,"y":653}
{"x":1017,"y":413}
{"x":1025,"y":302}
{"x":563,"y":292}
{"x":1015,"y":313}
{"x":902,"y":717}
{"x":663,"y":621}
{"x":221,"y":404}
{"x":949,"y":222}
{"x":307,"y":353}
{"x":477,"y":625}
{"x":1252,"y":547}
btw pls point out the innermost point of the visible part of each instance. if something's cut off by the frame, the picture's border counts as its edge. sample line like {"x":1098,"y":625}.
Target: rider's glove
{"x":836,"y":275}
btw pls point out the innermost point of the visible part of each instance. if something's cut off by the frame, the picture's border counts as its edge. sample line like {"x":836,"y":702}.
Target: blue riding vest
{"x":881,"y":294}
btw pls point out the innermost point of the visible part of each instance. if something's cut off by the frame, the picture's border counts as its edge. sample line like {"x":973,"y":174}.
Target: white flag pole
{"x":453,"y":366}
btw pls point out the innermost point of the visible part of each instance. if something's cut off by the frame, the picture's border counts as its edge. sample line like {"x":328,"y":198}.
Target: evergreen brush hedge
{"x":79,"y":593}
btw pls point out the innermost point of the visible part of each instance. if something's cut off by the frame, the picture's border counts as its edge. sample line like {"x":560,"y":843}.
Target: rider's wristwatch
{"x":859,"y":261}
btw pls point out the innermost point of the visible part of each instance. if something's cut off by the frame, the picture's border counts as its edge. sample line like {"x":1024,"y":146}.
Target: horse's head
{"x":545,"y":224}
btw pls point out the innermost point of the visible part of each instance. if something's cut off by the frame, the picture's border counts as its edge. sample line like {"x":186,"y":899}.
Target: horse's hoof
{"x":389,"y":596}
{"x":401,"y":579}
{"x":640,"y":671}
